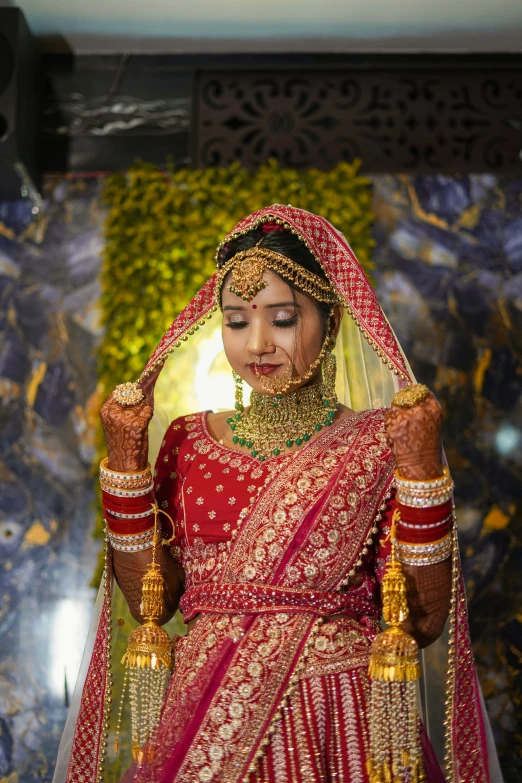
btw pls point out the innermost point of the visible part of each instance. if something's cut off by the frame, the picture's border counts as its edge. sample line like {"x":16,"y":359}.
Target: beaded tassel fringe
{"x":395,"y":755}
{"x":148,"y":662}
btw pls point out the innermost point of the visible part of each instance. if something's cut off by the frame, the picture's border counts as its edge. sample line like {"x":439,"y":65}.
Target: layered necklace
{"x":274,"y":423}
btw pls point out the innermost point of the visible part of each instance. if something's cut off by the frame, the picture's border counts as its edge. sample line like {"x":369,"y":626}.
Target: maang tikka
{"x":248,"y":267}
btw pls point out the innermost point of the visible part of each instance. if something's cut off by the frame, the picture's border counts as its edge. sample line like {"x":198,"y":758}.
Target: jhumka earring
{"x":330,"y":371}
{"x":238,"y":383}
{"x":395,"y":754}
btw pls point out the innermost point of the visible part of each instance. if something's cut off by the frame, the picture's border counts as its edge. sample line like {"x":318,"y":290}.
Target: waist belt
{"x":242,"y":598}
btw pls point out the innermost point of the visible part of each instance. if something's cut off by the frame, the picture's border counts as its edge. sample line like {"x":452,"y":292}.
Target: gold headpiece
{"x":248,"y":267}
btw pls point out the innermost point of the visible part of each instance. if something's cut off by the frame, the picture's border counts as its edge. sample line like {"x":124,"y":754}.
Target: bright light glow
{"x":69,"y":630}
{"x":214,"y":386}
{"x":507,"y":439}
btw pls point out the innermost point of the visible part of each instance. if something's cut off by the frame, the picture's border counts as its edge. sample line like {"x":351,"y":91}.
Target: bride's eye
{"x":236,"y":324}
{"x":285,"y":322}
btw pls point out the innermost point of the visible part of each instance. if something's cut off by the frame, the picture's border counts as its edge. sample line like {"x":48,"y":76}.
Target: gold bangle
{"x":127,"y":493}
{"x":424,"y":554}
{"x":424,"y":561}
{"x":117,"y":484}
{"x":408,"y":544}
{"x":425,"y":484}
{"x":137,"y":544}
{"x":129,"y":537}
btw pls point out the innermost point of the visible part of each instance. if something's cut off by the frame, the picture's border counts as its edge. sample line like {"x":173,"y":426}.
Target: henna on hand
{"x":126,"y":434}
{"x":428,"y":590}
{"x":129,"y":569}
{"x":414,"y":438}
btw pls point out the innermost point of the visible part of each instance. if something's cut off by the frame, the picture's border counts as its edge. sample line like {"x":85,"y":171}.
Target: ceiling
{"x":283,"y":25}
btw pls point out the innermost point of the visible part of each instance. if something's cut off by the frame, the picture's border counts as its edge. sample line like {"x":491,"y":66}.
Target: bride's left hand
{"x":414,"y":438}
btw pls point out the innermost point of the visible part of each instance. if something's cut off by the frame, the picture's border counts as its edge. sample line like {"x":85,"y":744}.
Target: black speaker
{"x":21,"y":88}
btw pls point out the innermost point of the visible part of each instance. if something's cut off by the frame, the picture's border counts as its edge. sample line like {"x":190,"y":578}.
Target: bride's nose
{"x":258,"y":340}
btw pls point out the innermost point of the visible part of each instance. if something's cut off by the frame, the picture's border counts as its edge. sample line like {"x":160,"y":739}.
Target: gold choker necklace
{"x":274,"y":424}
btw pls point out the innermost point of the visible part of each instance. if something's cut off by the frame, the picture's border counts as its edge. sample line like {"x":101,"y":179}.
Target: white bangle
{"x":415,"y":500}
{"x":140,"y":515}
{"x":421,"y":526}
{"x":137,"y":542}
{"x":127,"y":493}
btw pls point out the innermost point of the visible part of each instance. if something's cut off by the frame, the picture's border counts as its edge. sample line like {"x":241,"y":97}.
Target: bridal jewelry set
{"x":424,"y":538}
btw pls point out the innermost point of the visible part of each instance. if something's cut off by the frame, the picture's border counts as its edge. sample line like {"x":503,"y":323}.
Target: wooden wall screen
{"x":411,"y":121}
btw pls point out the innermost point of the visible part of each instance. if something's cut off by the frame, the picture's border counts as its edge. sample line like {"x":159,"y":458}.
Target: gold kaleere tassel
{"x":147,"y":661}
{"x":395,"y":754}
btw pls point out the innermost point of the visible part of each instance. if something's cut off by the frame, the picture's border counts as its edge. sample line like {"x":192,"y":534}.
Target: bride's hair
{"x":289,"y":245}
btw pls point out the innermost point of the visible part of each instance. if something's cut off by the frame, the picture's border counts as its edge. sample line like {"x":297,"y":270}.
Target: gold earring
{"x":329,"y":374}
{"x":238,"y":384}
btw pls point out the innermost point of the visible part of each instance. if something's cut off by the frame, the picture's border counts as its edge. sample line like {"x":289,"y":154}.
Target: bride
{"x":276,"y":535}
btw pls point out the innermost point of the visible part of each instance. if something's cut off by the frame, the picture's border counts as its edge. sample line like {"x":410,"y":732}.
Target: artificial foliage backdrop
{"x":162,"y":231}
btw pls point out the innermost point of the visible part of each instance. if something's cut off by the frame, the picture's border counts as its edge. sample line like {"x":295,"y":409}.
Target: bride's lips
{"x":263,"y":369}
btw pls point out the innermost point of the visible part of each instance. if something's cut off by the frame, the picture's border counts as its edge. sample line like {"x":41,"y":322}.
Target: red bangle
{"x":425,"y":516}
{"x":420,"y":536}
{"x":123,"y":526}
{"x":137,"y":513}
{"x":127,"y":504}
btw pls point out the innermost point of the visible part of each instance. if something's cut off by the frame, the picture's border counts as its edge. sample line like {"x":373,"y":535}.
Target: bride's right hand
{"x":126,"y":434}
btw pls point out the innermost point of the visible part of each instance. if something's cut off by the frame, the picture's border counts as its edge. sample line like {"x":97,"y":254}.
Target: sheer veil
{"x":188,"y":372}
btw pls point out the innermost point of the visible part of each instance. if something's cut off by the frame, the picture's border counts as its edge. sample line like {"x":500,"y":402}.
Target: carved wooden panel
{"x":464,"y":121}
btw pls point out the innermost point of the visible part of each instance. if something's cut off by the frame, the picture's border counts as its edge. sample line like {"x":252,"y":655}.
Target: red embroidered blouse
{"x":205,"y":487}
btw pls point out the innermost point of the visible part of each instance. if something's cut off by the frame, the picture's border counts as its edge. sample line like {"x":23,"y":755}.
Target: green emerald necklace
{"x":274,"y":424}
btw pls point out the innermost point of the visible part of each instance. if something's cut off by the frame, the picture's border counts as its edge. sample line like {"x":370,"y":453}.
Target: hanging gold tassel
{"x":395,"y":754}
{"x":147,"y":661}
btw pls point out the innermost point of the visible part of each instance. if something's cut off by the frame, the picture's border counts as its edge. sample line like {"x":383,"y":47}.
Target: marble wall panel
{"x":449,"y":275}
{"x":49,"y":327}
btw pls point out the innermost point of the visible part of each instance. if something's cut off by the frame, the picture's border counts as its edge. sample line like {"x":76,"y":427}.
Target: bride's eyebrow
{"x":233,"y":307}
{"x":282,"y":304}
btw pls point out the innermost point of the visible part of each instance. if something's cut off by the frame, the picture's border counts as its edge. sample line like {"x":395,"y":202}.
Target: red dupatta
{"x":467,"y":755}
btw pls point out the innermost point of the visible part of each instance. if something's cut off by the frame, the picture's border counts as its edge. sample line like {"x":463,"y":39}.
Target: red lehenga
{"x":279,"y":686}
{"x":311,"y":521}
{"x":264,"y":689}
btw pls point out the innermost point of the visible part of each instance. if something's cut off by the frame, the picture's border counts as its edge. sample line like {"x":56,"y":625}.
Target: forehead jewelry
{"x":248,"y":267}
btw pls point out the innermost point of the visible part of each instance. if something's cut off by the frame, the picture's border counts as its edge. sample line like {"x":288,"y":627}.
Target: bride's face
{"x":277,"y":328}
